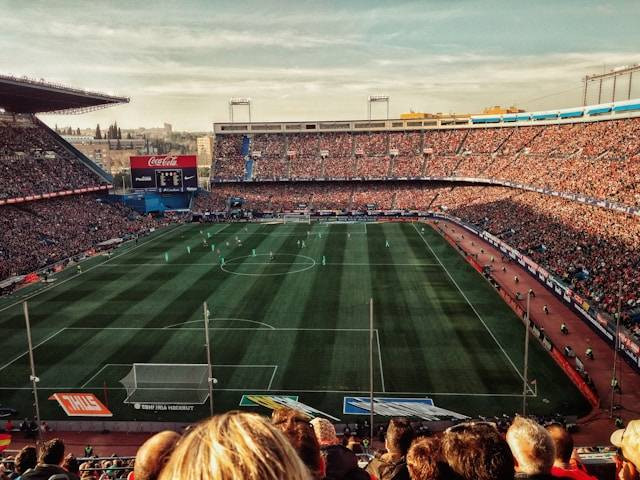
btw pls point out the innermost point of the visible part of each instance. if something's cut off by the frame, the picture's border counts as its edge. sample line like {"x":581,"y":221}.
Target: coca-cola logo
{"x":167,"y":161}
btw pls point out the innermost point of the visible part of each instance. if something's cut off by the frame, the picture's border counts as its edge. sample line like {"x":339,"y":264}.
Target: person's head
{"x":52,"y":452}
{"x":531,"y":445}
{"x":70,"y":464}
{"x":84,"y":470}
{"x":27,"y":458}
{"x":399,"y":436}
{"x":628,"y":441}
{"x":304,"y":441}
{"x":287,"y":418}
{"x":234,"y":445}
{"x":477,"y":451}
{"x":562,"y":441}
{"x":297,"y":427}
{"x":425,"y":462}
{"x":153,"y":455}
{"x":325,"y":432}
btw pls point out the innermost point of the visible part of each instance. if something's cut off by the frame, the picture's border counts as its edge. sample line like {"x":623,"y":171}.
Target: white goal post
{"x":159,"y":383}
{"x":296,"y":218}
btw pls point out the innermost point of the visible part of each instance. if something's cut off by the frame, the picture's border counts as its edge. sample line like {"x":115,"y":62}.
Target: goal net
{"x":296,"y":218}
{"x":170,"y":383}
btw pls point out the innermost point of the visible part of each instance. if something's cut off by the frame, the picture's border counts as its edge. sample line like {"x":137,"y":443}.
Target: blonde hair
{"x":531,"y":446}
{"x":235,"y":445}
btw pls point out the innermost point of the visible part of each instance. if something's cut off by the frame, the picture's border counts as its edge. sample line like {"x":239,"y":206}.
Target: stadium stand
{"x":48,"y":211}
{"x":596,"y":159}
{"x":34,"y":235}
{"x":33,"y":161}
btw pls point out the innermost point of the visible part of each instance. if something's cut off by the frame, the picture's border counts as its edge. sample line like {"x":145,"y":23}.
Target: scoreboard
{"x":168,"y":179}
{"x":164,"y":173}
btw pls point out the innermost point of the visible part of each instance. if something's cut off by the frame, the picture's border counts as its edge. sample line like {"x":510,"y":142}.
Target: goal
{"x":296,"y":218}
{"x":166,"y":383}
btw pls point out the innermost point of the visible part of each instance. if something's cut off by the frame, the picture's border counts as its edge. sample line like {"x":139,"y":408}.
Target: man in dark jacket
{"x":392,"y":465}
{"x":340,"y":462}
{"x":51,"y":456}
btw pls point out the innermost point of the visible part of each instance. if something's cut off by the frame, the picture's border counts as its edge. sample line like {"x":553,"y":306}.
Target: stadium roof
{"x":24,"y":95}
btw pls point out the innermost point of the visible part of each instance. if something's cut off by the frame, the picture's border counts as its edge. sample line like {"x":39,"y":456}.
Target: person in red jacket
{"x":563,"y":467}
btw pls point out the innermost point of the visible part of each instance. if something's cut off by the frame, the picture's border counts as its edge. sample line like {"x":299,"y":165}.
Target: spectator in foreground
{"x":25,"y":459}
{"x":392,"y":465}
{"x":477,"y":451}
{"x":295,"y":425}
{"x":51,"y":456}
{"x":153,"y":455}
{"x":532,"y":449}
{"x":234,"y":446}
{"x":628,"y":441}
{"x":425,"y":461}
{"x":340,"y":462}
{"x":562,"y":467}
{"x":70,"y":464}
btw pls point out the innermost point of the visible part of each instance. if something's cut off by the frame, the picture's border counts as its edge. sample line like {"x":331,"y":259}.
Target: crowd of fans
{"x":292,"y":446}
{"x":36,"y":234}
{"x":597,"y":159}
{"x":591,"y":248}
{"x":32,"y":162}
{"x":228,"y":161}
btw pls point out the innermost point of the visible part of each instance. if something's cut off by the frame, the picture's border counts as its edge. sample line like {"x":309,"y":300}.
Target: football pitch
{"x":285,"y":318}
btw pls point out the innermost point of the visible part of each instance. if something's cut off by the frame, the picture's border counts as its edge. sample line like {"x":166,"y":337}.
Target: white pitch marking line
{"x":355,"y":392}
{"x":100,"y":371}
{"x":470,"y":304}
{"x":270,"y":327}
{"x":275,"y":369}
{"x":212,"y":264}
{"x":54,"y":285}
{"x":35,"y":346}
{"x":293,"y":329}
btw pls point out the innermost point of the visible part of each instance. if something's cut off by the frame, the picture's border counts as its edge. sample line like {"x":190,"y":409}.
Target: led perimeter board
{"x":164,"y":173}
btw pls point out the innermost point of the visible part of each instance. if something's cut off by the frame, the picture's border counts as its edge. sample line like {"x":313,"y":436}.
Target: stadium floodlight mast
{"x":371,"y":399}
{"x":616,"y":347}
{"x":239,"y":102}
{"x":525,"y":382}
{"x":626,"y":70}
{"x":210,"y":379}
{"x":377,"y":99}
{"x":33,"y":378}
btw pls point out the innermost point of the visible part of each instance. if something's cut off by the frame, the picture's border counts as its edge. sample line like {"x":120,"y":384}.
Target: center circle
{"x":264,"y":259}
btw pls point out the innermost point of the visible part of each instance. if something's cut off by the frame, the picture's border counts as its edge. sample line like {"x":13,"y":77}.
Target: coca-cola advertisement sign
{"x":164,"y":173}
{"x":164,"y":161}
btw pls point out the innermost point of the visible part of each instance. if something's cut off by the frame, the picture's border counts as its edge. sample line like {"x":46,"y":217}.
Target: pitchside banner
{"x":164,"y":173}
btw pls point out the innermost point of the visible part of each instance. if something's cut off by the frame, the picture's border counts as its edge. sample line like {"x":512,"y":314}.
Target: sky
{"x":181,"y":61}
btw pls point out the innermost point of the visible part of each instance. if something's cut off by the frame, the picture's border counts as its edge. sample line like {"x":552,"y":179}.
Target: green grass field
{"x":289,"y":325}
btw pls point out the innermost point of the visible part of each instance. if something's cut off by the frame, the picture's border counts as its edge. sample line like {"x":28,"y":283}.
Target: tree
{"x":119,"y":133}
{"x":128,"y":135}
{"x":78,"y":132}
{"x":98,"y":135}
